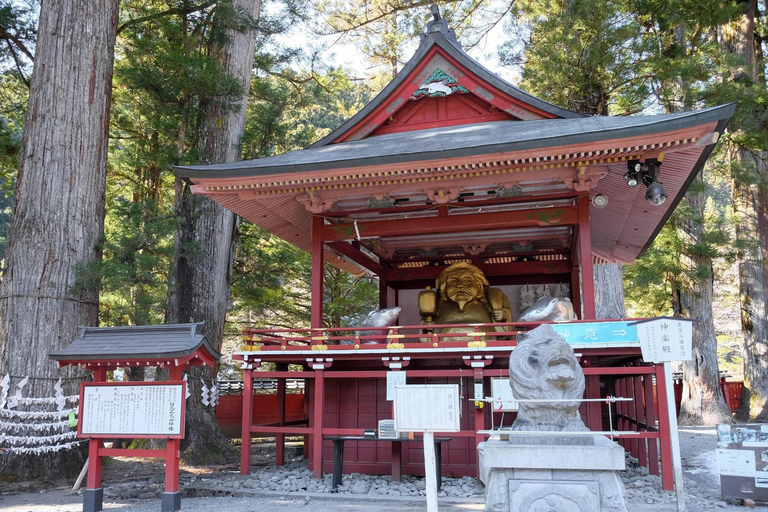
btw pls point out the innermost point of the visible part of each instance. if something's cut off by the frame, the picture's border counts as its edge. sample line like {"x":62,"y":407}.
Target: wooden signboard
{"x":132,"y":409}
{"x":742,"y":461}
{"x":427,"y":408}
{"x":503,"y":399}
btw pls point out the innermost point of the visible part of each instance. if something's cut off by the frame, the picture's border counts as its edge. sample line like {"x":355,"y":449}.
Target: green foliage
{"x":13,"y":102}
{"x":271,"y":280}
{"x":347,"y":297}
{"x":650,"y":283}
{"x":132,"y":275}
{"x":583,"y":55}
{"x":18,"y":33}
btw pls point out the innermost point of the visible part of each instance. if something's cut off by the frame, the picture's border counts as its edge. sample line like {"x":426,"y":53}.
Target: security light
{"x":648,"y":173}
{"x":656,"y":194}
{"x":599,"y":201}
{"x":633,"y":170}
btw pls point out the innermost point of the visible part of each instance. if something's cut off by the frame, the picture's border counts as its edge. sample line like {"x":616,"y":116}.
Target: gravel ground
{"x":292,"y":486}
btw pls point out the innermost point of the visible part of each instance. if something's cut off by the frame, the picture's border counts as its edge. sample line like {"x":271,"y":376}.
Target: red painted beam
{"x":172,"y":465}
{"x":585,"y":257}
{"x":542,"y":217}
{"x":357,"y":256}
{"x":490,"y":270}
{"x":271,"y":429}
{"x":318,"y":398}
{"x":245,"y":436}
{"x":316,"y":307}
{"x":420,"y":284}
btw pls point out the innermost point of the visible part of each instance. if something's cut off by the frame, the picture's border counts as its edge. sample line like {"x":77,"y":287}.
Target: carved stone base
{"x":534,"y":477}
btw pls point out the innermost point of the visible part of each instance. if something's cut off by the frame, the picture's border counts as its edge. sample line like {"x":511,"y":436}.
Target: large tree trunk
{"x":609,"y":291}
{"x":58,"y":214}
{"x":205,"y":243}
{"x":703,"y":402}
{"x":751,"y":211}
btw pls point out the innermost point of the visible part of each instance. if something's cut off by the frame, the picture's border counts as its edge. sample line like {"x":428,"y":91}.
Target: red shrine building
{"x":450,"y":163}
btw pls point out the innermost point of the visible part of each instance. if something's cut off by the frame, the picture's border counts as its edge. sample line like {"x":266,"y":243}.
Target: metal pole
{"x":677,"y":467}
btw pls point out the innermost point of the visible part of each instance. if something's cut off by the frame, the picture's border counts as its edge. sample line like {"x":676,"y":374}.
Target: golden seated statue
{"x":463,"y":296}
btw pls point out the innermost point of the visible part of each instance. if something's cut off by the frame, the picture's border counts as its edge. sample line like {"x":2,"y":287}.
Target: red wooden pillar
{"x":94,"y":445}
{"x":383,"y":292}
{"x":667,"y":482}
{"x":317,"y":273}
{"x":280,"y":438}
{"x":94,"y":464}
{"x":594,"y":409}
{"x":650,"y":419}
{"x":309,"y":408}
{"x":620,"y":423}
{"x":317,"y":424}
{"x":171,"y":499}
{"x":585,"y":257}
{"x":634,"y":444}
{"x":93,"y":495}
{"x":575,"y":281}
{"x":480,"y":412}
{"x":245,"y":430}
{"x":172,"y":465}
{"x":640,"y":417}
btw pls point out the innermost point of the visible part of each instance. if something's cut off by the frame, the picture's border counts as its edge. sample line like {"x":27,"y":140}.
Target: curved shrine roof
{"x":135,"y":343}
{"x":449,"y":132}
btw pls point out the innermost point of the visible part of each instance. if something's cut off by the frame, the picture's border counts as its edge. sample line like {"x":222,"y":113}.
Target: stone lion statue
{"x":543,"y":366}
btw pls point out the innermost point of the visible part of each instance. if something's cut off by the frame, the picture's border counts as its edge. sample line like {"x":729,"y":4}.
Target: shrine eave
{"x":459,"y":142}
{"x":136,"y":343}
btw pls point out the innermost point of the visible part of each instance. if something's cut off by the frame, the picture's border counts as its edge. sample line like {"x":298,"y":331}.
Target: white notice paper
{"x":394,"y":379}
{"x":503,"y":399}
{"x":427,"y":408}
{"x":735,"y":462}
{"x":135,"y":409}
{"x":665,"y":339}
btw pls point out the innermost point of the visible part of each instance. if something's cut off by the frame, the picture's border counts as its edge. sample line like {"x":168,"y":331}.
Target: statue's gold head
{"x":461,"y":283}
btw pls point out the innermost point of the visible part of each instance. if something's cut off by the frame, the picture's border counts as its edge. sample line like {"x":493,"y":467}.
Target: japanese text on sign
{"x":665,"y":339}
{"x":132,"y":410}
{"x":427,"y":408}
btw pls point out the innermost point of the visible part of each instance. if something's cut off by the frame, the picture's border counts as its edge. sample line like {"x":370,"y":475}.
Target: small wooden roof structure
{"x":448,"y":139}
{"x":151,"y":345}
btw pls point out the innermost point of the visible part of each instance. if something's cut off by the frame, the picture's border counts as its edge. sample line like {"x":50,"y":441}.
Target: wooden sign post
{"x":428,"y":409}
{"x":129,"y":410}
{"x":662,"y":340}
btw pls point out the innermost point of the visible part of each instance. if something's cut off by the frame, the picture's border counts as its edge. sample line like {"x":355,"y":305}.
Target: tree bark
{"x":609,"y":291}
{"x":205,"y":242}
{"x":703,"y":402}
{"x":751,"y":211}
{"x":58,"y":214}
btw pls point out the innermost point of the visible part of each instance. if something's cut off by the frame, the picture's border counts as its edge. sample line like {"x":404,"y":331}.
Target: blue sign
{"x":597,"y":332}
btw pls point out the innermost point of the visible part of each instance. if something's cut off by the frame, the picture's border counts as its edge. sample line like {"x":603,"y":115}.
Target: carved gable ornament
{"x":438,"y":84}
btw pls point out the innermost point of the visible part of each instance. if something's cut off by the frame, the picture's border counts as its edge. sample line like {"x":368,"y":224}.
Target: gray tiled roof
{"x":458,"y":141}
{"x":135,"y":343}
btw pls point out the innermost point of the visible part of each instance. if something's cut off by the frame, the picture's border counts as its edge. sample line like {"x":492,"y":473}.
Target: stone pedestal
{"x":537,"y":474}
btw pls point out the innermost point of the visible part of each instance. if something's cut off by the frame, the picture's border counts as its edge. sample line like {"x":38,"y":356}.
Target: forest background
{"x":622,"y":57}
